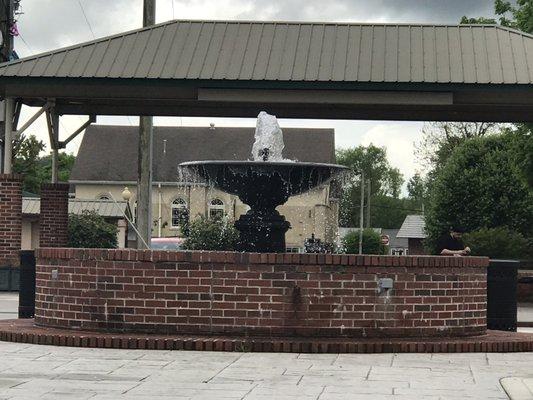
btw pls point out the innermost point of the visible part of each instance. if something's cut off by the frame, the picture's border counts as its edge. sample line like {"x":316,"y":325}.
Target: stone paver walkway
{"x":518,"y":388}
{"x":46,"y":372}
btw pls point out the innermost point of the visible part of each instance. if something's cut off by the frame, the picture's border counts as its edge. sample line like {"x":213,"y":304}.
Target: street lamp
{"x":126,"y":194}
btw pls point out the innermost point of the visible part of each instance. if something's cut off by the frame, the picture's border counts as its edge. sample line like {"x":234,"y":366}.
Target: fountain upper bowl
{"x":288,"y":177}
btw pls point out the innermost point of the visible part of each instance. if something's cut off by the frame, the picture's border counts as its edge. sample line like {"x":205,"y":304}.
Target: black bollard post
{"x":501,"y":295}
{"x":27,"y":284}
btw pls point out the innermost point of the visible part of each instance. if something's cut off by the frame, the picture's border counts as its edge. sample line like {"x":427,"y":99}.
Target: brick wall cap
{"x":11,"y":177}
{"x":55,"y":186}
{"x":220,"y":257}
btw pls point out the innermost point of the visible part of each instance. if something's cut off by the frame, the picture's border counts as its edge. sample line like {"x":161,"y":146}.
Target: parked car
{"x":167,"y":243}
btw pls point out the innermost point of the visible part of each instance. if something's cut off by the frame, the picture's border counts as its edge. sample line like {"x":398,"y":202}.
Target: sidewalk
{"x":45,"y":372}
{"x":9,"y":302}
{"x":29,"y":372}
{"x":518,"y":388}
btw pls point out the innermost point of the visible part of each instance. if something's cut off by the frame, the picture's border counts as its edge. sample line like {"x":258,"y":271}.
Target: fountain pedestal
{"x":262,"y":233}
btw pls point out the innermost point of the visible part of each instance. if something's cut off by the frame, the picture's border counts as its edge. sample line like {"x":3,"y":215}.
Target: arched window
{"x":216,"y":209}
{"x":104,"y":196}
{"x":180,"y":213}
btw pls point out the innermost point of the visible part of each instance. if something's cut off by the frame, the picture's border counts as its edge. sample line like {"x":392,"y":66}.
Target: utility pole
{"x":368,"y":224}
{"x":7,"y":18}
{"x":361,"y":213}
{"x":146,"y":133}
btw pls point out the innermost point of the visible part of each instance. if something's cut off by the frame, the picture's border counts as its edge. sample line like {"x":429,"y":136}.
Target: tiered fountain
{"x":264,"y":184}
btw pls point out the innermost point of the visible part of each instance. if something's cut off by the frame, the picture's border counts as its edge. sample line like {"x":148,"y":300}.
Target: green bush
{"x":90,"y":230}
{"x":371,"y":242}
{"x":211,"y":234}
{"x":497,"y":243}
{"x":480,"y":186}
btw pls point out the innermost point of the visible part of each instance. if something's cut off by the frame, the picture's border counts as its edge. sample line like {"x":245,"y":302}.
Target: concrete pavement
{"x":9,"y":302}
{"x":47,"y":372}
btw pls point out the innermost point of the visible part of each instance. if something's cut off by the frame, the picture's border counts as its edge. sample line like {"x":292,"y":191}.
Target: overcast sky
{"x":51,"y":24}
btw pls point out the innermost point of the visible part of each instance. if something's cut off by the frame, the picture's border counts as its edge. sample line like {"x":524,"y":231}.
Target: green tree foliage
{"x":517,"y":15}
{"x":90,"y":230}
{"x":499,"y":243}
{"x":524,"y":150}
{"x":65,"y":163}
{"x":36,"y":169}
{"x":385,"y":183}
{"x":211,"y":234}
{"x":371,"y":242}
{"x":481,"y":186}
{"x":389,"y":213}
{"x":440,"y":139}
{"x":417,"y":189}
{"x":26,"y":162}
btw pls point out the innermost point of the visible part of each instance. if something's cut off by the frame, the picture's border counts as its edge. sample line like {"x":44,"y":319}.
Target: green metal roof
{"x":295,"y":51}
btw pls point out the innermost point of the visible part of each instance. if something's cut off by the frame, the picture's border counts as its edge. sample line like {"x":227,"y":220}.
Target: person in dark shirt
{"x":451,"y":244}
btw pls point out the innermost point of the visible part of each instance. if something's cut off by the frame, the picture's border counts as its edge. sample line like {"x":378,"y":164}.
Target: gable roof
{"x":109,"y":153}
{"x":295,"y":51}
{"x":413,"y":227}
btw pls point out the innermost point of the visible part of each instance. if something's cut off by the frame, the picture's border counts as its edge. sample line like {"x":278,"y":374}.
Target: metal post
{"x":8,"y":133}
{"x":53,"y":144}
{"x":361,"y":213}
{"x":368,"y":224}
{"x":144,"y":182}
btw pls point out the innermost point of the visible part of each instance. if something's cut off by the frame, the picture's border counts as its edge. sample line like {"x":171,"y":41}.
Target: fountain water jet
{"x":264,"y":184}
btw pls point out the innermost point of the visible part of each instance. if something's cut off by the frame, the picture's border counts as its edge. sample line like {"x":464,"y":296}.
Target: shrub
{"x":497,"y":243}
{"x":371,"y":242}
{"x":211,"y":234}
{"x":90,"y":230}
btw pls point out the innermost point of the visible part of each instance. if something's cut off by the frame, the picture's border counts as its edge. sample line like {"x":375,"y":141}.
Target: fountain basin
{"x":263,"y":186}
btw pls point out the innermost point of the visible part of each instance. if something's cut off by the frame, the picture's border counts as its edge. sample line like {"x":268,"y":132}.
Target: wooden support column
{"x":8,"y":135}
{"x":144,"y":180}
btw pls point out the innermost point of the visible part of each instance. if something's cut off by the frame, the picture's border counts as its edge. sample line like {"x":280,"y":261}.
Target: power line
{"x":86,"y":19}
{"x":26,"y":44}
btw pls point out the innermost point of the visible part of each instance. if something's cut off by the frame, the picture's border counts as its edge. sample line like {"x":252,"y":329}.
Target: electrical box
{"x":385,"y":284}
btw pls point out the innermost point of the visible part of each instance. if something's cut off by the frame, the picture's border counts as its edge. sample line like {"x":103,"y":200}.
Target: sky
{"x":50,"y":24}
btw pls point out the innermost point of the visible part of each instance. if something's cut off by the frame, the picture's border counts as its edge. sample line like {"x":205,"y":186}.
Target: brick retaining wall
{"x":10,"y":219}
{"x":260,"y":294}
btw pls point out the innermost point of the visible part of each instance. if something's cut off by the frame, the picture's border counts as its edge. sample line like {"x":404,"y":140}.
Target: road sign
{"x":385,"y":240}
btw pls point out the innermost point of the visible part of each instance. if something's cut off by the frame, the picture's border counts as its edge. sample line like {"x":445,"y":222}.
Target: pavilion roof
{"x":295,"y":51}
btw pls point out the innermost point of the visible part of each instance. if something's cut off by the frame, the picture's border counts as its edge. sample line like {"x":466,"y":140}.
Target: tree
{"x":65,"y":163}
{"x":26,"y":162}
{"x":384,"y":180}
{"x":417,"y":189}
{"x":519,"y":16}
{"x":35,"y":169}
{"x":524,"y":150}
{"x":499,"y":243}
{"x":439,"y":139}
{"x":481,"y":186}
{"x":389,"y":213}
{"x":90,"y":230}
